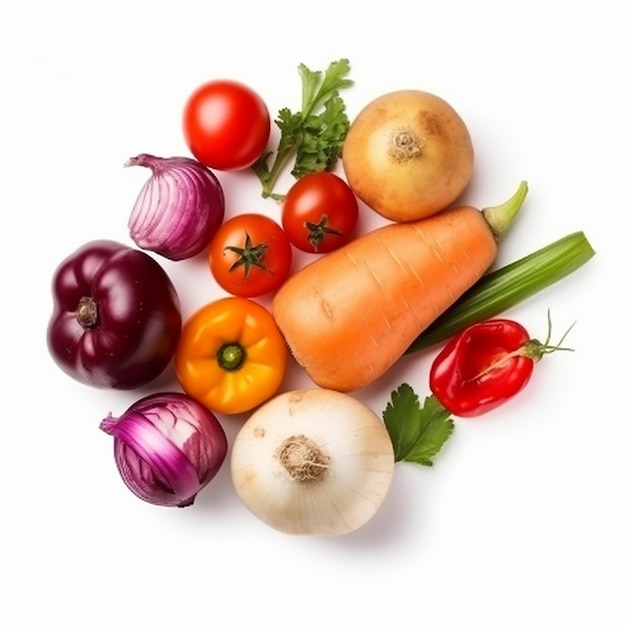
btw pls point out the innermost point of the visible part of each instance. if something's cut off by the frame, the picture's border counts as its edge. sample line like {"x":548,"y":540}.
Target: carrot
{"x":350,"y":315}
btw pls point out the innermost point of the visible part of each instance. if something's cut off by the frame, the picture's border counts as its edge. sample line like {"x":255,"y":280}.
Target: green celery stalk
{"x":502,"y":289}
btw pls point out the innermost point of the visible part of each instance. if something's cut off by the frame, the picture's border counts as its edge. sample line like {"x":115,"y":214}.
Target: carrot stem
{"x":500,"y":217}
{"x":502,"y":289}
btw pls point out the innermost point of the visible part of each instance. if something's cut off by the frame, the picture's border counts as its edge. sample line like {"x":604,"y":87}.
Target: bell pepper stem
{"x":87,"y":312}
{"x":231,"y":356}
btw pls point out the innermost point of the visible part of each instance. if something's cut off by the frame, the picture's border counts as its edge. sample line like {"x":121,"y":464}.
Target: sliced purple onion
{"x":179,"y":208}
{"x":167,"y":447}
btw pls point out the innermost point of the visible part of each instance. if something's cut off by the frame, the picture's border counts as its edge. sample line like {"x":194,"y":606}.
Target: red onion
{"x":167,"y":447}
{"x":178,"y":209}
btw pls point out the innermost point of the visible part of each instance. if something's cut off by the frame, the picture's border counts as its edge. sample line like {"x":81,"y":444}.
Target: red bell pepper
{"x":485,"y":365}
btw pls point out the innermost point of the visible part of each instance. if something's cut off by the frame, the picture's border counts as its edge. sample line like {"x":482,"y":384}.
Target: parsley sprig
{"x":417,"y":431}
{"x":313,"y":136}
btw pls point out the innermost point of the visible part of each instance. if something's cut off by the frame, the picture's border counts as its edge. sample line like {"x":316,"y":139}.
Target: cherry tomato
{"x":250,"y":255}
{"x":226,"y":125}
{"x":485,"y":365}
{"x":319,"y":212}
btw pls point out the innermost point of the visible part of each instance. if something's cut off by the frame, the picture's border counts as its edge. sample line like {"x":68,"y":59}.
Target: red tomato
{"x":250,"y":255}
{"x":319,"y":212}
{"x":226,"y":125}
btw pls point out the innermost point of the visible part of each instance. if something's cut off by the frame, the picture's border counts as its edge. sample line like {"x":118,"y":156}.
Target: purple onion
{"x":167,"y":447}
{"x":179,"y":208}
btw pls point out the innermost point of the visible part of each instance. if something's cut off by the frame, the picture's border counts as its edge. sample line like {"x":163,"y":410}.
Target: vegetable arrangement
{"x":311,"y":461}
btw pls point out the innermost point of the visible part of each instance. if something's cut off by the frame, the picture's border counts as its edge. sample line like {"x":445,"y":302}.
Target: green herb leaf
{"x":316,"y":88}
{"x":289,"y":125}
{"x":417,"y":432}
{"x":313,"y":137}
{"x":320,"y":139}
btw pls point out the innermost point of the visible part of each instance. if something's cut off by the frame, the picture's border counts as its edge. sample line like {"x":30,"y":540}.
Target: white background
{"x":520,"y":521}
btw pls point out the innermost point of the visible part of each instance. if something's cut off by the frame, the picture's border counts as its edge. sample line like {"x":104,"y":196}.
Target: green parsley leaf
{"x":313,"y":137}
{"x":417,"y":432}
{"x":318,"y":87}
{"x":320,"y":139}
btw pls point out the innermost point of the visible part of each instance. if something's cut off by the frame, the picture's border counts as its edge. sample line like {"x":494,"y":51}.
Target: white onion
{"x":314,"y":462}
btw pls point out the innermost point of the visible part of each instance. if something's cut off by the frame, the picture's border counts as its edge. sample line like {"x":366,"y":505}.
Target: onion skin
{"x":408,"y":155}
{"x":167,"y":448}
{"x":179,"y":208}
{"x":348,"y":470}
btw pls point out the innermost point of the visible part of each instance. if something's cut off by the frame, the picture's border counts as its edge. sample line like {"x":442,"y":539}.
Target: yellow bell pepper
{"x":231,"y":356}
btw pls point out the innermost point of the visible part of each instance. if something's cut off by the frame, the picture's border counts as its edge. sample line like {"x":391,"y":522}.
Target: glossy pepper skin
{"x":484,"y":366}
{"x":231,"y":356}
{"x":116,"y":318}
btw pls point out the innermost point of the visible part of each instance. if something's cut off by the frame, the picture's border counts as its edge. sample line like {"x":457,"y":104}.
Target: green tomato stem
{"x":502,"y":289}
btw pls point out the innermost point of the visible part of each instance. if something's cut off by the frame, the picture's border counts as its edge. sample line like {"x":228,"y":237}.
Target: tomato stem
{"x":249,"y":256}
{"x":318,"y":231}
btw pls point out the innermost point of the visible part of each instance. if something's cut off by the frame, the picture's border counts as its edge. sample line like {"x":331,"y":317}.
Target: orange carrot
{"x":350,"y":315}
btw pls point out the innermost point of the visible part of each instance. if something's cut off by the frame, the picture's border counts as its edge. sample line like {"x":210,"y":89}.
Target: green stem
{"x":502,"y":289}
{"x":231,"y":356}
{"x":280,"y":162}
{"x":533,"y":349}
{"x":500,"y":217}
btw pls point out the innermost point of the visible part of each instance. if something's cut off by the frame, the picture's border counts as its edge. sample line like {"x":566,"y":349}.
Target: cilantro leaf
{"x":313,"y":137}
{"x":418,"y":432}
